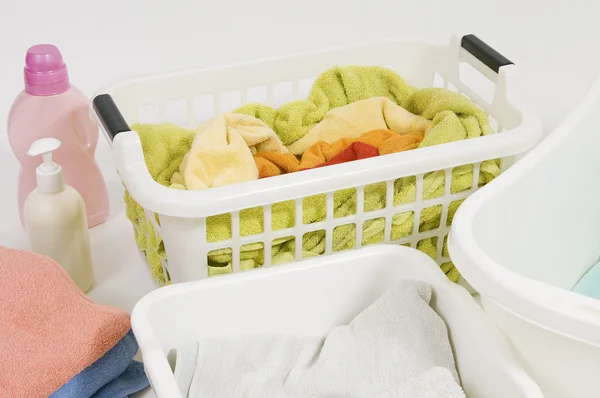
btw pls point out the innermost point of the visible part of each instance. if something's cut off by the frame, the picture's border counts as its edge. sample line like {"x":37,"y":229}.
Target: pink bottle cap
{"x":45,"y":71}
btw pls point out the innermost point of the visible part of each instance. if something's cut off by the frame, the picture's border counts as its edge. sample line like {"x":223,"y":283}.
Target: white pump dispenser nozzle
{"x":49,"y":174}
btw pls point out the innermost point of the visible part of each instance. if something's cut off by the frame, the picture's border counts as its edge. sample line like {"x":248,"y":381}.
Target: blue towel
{"x":589,"y":284}
{"x":132,"y":380}
{"x":105,"y":370}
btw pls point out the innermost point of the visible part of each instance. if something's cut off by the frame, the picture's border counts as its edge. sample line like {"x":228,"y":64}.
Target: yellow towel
{"x":355,"y":119}
{"x":335,"y":87}
{"x":222,"y":150}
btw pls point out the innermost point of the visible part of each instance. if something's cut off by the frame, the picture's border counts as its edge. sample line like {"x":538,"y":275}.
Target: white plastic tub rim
{"x":551,"y":307}
{"x":486,"y":363}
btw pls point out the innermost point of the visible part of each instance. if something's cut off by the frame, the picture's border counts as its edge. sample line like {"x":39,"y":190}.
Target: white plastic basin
{"x":311,"y":297}
{"x":524,"y":240}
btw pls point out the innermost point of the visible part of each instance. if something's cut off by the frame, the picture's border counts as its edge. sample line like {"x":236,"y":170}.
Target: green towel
{"x":454,"y":116}
{"x":164,"y":146}
{"x":335,"y":87}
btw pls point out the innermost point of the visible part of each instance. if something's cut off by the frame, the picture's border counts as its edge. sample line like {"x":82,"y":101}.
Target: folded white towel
{"x":434,"y":383}
{"x":187,"y":356}
{"x":397,"y":338}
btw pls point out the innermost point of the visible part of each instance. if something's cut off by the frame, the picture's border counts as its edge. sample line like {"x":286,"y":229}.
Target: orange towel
{"x":400,"y":143}
{"x":50,"y":331}
{"x":321,"y":151}
{"x":385,"y":141}
{"x":356,"y":151}
{"x":271,"y":164}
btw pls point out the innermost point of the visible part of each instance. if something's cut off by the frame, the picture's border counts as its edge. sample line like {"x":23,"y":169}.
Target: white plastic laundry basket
{"x":528,"y":237}
{"x":313,"y":296}
{"x":189,"y":97}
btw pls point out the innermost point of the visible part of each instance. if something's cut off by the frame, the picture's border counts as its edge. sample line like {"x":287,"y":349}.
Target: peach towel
{"x":353,"y":120}
{"x":271,"y":164}
{"x":50,"y":331}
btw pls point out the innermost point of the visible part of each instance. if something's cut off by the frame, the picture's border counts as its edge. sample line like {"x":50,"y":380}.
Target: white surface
{"x":554,"y":45}
{"x":276,"y":300}
{"x":524,"y":264}
{"x":183,"y":214}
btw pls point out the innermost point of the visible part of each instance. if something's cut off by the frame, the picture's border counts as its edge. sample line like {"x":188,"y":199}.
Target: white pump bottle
{"x":55,"y":218}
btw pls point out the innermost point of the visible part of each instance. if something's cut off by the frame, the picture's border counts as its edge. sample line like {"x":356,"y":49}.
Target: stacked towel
{"x":132,"y":380}
{"x":114,"y":375}
{"x":442,"y":115}
{"x":393,"y":348}
{"x":54,"y":339}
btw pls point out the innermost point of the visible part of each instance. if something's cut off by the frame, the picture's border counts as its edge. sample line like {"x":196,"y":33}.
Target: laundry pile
{"x":351,"y":113}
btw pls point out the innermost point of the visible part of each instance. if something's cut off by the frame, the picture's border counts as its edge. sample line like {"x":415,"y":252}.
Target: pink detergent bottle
{"x":51,"y":107}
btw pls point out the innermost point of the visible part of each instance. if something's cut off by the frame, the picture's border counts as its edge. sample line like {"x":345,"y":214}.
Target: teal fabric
{"x":589,"y":284}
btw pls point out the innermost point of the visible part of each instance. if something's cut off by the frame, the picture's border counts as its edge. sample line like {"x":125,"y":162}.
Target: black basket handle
{"x":486,"y":54}
{"x":109,"y":115}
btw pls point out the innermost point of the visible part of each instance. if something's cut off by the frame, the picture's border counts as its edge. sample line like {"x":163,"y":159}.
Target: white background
{"x":555,"y":44}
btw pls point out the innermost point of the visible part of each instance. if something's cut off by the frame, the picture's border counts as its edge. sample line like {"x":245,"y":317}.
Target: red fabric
{"x":356,"y":151}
